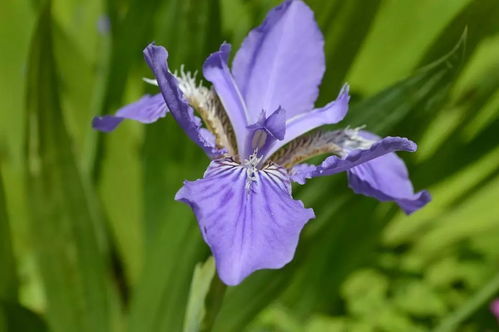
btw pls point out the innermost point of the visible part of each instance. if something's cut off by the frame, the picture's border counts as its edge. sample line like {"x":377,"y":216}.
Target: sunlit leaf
{"x":200,"y":285}
{"x":70,"y":252}
{"x":398,"y":39}
{"x":415,"y":96}
{"x":345,"y":25}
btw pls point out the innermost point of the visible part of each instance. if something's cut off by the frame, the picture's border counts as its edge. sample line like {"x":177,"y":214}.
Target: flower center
{"x":251,"y":166}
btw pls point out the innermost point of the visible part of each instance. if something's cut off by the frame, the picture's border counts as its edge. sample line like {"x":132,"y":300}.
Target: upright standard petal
{"x":156,"y":57}
{"x":216,"y":71}
{"x":386,"y":178}
{"x":334,"y":164}
{"x":147,"y":109}
{"x":246,"y":216}
{"x":281,"y":63}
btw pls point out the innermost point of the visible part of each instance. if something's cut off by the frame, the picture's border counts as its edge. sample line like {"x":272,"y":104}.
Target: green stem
{"x":213,"y":303}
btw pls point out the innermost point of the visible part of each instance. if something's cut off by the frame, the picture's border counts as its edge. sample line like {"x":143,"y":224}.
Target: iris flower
{"x":260,"y":126}
{"x":494,"y":307}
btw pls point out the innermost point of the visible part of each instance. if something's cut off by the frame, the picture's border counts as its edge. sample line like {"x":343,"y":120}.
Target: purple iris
{"x":260,"y":126}
{"x":494,"y":307}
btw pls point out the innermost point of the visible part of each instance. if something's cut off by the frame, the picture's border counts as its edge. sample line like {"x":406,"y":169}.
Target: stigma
{"x":251,"y":166}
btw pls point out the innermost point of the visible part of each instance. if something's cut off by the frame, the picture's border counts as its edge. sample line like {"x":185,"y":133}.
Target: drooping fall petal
{"x":248,"y":218}
{"x":386,"y":178}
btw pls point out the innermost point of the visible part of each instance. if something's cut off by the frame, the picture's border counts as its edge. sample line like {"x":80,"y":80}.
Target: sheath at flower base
{"x":260,"y":126}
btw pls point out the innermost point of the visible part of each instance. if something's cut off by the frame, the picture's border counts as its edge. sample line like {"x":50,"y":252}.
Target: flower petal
{"x":156,"y":57}
{"x":272,"y":127}
{"x":302,"y":123}
{"x":275,"y":124}
{"x":147,"y":109}
{"x":281,"y":62}
{"x":386,"y":178}
{"x":334,"y":164}
{"x":494,"y":307}
{"x":216,"y":71}
{"x":250,"y":223}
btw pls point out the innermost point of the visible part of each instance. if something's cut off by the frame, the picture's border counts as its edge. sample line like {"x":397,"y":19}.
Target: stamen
{"x":205,"y":101}
{"x":150,"y":81}
{"x":338,"y":142}
{"x":349,"y":139}
{"x":189,"y":87}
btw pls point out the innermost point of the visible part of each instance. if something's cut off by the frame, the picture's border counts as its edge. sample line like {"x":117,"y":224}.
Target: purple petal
{"x":275,"y":124}
{"x":386,"y":178}
{"x":333,"y":164}
{"x":147,"y":109}
{"x":156,"y":57}
{"x":281,"y":63}
{"x":494,"y":307}
{"x":302,"y":123}
{"x":249,"y":223}
{"x":265,"y":132}
{"x":106,"y":123}
{"x":208,"y":136}
{"x":216,"y":71}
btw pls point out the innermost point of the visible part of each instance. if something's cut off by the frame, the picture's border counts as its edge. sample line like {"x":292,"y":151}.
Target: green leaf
{"x":244,"y":302}
{"x":200,"y":285}
{"x":129,"y":34}
{"x":480,"y":19}
{"x":398,"y":39}
{"x":424,"y":91}
{"x":162,"y":292}
{"x":475,"y":302}
{"x":121,"y":191}
{"x":458,"y":150}
{"x":345,"y":25}
{"x":15,"y":318}
{"x":8,"y":276}
{"x":68,"y":236}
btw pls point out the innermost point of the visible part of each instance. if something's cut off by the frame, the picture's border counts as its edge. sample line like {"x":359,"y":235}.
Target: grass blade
{"x":345,"y":25}
{"x":71,"y":256}
{"x":424,"y":91}
{"x":200,"y":285}
{"x":8,"y":277}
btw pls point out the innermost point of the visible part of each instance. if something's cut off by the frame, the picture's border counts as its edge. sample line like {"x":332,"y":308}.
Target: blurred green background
{"x":92,"y":240}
